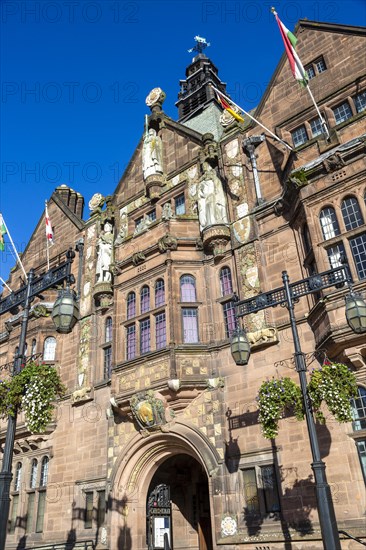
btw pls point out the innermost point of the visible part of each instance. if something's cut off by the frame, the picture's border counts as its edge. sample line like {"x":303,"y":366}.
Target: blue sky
{"x":75,"y":75}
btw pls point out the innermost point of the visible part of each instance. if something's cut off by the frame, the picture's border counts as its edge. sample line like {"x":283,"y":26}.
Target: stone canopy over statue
{"x":152,"y":154}
{"x":211,"y":199}
{"x":105,"y":251}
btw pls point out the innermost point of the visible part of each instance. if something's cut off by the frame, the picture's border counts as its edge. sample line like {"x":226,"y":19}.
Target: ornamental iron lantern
{"x":65,"y":312}
{"x":240,"y":347}
{"x":356,"y":312}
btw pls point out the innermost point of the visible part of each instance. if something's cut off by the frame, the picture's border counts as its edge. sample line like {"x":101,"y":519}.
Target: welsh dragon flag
{"x":290,"y":41}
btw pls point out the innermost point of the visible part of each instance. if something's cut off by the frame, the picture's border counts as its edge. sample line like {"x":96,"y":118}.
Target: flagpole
{"x":305,"y":79}
{"x":324,"y":125}
{"x":15,"y":250}
{"x":4,"y":283}
{"x":47,"y":244}
{"x":254,"y":119}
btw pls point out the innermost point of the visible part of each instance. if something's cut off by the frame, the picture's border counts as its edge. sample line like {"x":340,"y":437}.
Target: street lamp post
{"x":356,"y":318}
{"x":24,"y":297}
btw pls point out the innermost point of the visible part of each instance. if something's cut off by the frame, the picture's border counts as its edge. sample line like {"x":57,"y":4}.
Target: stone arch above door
{"x":135,"y":467}
{"x":142,"y":451}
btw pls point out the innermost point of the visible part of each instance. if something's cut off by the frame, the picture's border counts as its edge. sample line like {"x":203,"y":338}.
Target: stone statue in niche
{"x":152,"y":154}
{"x":105,"y":251}
{"x":167,"y":212}
{"x":211,"y":199}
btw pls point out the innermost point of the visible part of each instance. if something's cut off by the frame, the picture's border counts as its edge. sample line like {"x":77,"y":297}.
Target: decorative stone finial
{"x":96,"y":201}
{"x":156,"y":96}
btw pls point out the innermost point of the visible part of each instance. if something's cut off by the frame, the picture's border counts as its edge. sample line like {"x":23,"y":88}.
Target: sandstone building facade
{"x":158,"y":433}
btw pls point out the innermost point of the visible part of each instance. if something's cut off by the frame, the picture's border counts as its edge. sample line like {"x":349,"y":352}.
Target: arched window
{"x":329,"y":223}
{"x":188,"y":288}
{"x":359,"y":409}
{"x":131,"y":305}
{"x":49,"y":349}
{"x":25,"y":350}
{"x":145,"y":299}
{"x":18,"y":476}
{"x":159,"y":293}
{"x":108,"y":330}
{"x":351,"y":213}
{"x":44,"y":472}
{"x":33,"y":474}
{"x":34,"y":347}
{"x":226,"y":284}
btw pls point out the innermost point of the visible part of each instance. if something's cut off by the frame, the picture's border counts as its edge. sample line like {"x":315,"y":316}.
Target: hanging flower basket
{"x":274,"y":397}
{"x":334,"y":384}
{"x":32,"y":390}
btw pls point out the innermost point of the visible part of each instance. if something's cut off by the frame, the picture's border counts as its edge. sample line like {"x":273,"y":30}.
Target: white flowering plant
{"x":334,"y":384}
{"x":274,"y":397}
{"x":33,"y":391}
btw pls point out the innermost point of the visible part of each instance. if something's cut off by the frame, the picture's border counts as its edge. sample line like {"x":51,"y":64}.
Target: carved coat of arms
{"x":148,"y":409}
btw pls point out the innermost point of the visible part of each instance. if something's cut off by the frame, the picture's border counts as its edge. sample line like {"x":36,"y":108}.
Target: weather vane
{"x":200,"y":46}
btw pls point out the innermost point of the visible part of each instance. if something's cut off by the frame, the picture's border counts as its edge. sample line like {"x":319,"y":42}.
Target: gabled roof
{"x":314,"y":25}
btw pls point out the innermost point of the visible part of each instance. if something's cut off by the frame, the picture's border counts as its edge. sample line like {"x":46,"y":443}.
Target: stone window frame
{"x":107,"y":361}
{"x":355,"y":98}
{"x":305,"y":133}
{"x":39,"y":491}
{"x":359,"y":434}
{"x":29,"y":489}
{"x":313,"y":65}
{"x":346,"y":105}
{"x":159,"y":287}
{"x":226,"y":300}
{"x":108,"y":329}
{"x":97,"y":519}
{"x":176,"y":198}
{"x":15,"y":496}
{"x":190,"y":306}
{"x":256,"y":461}
{"x":345,"y":236}
{"x":151,"y":313}
{"x":145,"y":294}
{"x":129,"y":301}
{"x":49,"y":358}
{"x":181,"y":291}
{"x":128,"y":347}
{"x":162,"y":330}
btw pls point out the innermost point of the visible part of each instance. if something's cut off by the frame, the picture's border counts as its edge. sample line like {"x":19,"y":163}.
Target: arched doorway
{"x":178,"y":507}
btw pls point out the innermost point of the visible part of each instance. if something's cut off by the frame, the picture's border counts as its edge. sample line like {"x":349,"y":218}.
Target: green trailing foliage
{"x":332,"y":383}
{"x":274,"y":397}
{"x":32,"y":391}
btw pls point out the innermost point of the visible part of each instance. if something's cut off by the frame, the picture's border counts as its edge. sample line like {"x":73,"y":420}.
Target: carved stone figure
{"x":167,"y":243}
{"x":105,"y":250}
{"x":152,"y":154}
{"x":138,"y":258}
{"x":264,"y":335}
{"x":79,"y":395}
{"x":142,"y":226}
{"x":167,"y":212}
{"x":211,"y":199}
{"x":334,"y":162}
